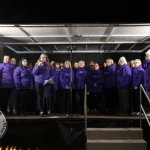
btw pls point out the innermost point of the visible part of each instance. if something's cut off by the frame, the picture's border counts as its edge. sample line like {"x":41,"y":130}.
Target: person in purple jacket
{"x":123,"y":76}
{"x":109,"y":84}
{"x":66,"y":85}
{"x":23,"y":82}
{"x":55,"y":99}
{"x":79,"y":81}
{"x":95,"y":81}
{"x":13,"y":96}
{"x":42,"y":72}
{"x":146,"y":63}
{"x":6,"y":82}
{"x":138,"y":78}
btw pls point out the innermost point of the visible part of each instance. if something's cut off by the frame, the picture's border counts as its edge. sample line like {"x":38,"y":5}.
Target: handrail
{"x":141,"y":107}
{"x":85,"y":108}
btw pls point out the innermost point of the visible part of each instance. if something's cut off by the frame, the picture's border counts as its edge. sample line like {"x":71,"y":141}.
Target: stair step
{"x":114,"y":133}
{"x":129,"y":144}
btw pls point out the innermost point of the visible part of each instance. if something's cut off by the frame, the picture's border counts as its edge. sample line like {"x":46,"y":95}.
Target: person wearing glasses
{"x":42,"y":72}
{"x":123,"y":77}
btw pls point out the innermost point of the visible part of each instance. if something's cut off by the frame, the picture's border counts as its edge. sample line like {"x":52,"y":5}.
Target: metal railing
{"x":85,"y":109}
{"x":141,"y":107}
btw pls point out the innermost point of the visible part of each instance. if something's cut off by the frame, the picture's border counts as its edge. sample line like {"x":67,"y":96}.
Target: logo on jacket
{"x":3,"y":125}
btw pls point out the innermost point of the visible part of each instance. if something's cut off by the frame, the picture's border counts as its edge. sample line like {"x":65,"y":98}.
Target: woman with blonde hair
{"x":42,"y":72}
{"x":65,"y":86}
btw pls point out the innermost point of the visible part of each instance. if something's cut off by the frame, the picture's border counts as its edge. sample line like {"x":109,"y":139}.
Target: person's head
{"x":23,"y":62}
{"x":122,"y":61}
{"x":109,"y":61}
{"x":13,"y":61}
{"x":67,"y":64}
{"x":132,"y":63}
{"x":148,"y":56}
{"x":43,"y":57}
{"x":76,"y":65}
{"x":96,"y":66}
{"x":91,"y":67}
{"x":52,"y":63}
{"x":6,"y":59}
{"x":56,"y":65}
{"x":137,"y":62}
{"x":61,"y":65}
{"x":30,"y":65}
{"x":81,"y":63}
{"x":115,"y":65}
{"x":91,"y":63}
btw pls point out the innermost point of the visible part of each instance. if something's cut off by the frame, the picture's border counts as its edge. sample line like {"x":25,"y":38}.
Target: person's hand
{"x":39,"y":63}
{"x":136,"y":87}
{"x":66,"y":87}
{"x":51,"y":79}
{"x":95,"y":84}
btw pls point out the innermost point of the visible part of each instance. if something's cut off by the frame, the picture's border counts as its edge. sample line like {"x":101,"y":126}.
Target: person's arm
{"x":139,"y":79}
{"x":17,"y":78}
{"x":36,"y":69}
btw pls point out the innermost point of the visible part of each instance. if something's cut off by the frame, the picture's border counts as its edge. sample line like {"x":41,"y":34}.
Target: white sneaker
{"x":8,"y":110}
{"x":137,"y":113}
{"x":133,"y":113}
{"x":14,"y":111}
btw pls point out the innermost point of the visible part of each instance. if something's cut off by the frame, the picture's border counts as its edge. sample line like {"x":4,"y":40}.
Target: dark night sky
{"x":73,"y":12}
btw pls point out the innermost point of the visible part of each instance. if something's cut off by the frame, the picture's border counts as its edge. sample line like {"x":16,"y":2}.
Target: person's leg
{"x":137,"y":100}
{"x":53,"y":101}
{"x":14,"y":100}
{"x":63,"y":101}
{"x":120,"y":100}
{"x":92,"y":102}
{"x":77,"y":95}
{"x":47,"y":94}
{"x":68,"y":108}
{"x":39,"y":92}
{"x":125,"y":100}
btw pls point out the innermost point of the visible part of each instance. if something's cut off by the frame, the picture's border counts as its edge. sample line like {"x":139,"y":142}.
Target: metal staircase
{"x":115,"y":139}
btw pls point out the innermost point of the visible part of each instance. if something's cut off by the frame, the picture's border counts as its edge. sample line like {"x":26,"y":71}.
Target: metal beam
{"x":116,"y":47}
{"x":55,"y":47}
{"x":140,"y":42}
{"x":112,"y":31}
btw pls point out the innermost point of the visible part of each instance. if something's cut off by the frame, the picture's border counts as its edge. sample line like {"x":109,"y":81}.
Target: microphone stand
{"x":70,"y":49}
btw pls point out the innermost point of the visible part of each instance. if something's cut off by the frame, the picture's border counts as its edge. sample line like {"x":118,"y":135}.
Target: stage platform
{"x":74,"y":116}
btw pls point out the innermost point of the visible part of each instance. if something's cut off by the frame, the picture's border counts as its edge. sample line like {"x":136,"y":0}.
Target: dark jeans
{"x":12,"y":99}
{"x":80,"y":100}
{"x":136,"y":102}
{"x":43,"y":92}
{"x":124,"y":100}
{"x":53,"y":100}
{"x":65,"y":101}
{"x":109,"y":95}
{"x":4,"y":96}
{"x":58,"y":101}
{"x":95,"y":100}
{"x":24,"y":95}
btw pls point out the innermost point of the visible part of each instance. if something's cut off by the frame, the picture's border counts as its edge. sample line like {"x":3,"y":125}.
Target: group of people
{"x":51,"y":82}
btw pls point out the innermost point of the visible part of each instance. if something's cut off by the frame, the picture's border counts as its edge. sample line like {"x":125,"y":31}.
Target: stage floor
{"x":73,"y":116}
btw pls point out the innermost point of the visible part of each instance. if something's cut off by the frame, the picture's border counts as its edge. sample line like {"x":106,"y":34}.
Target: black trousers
{"x":109,"y":95}
{"x":136,"y":101}
{"x":80,"y":100}
{"x":24,"y":95}
{"x":65,"y":101}
{"x":95,"y":100}
{"x":4,"y":96}
{"x":124,"y":100}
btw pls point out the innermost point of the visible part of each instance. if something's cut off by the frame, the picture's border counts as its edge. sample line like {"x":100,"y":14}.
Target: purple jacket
{"x":65,"y":77}
{"x":109,"y":73}
{"x":138,"y":76}
{"x":80,"y":77}
{"x":55,"y":76}
{"x":146,"y":63}
{"x":147,"y":77}
{"x":95,"y":76}
{"x":23,"y":78}
{"x":123,"y":76}
{"x":41,"y":73}
{"x":6,"y":75}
